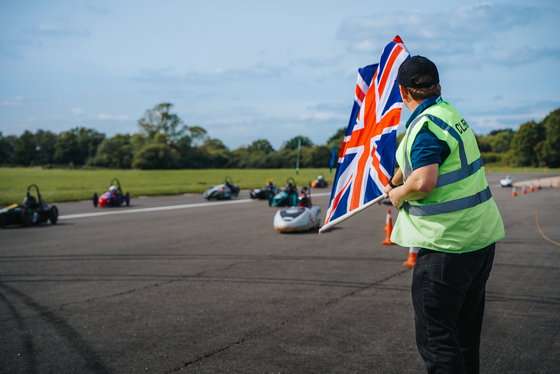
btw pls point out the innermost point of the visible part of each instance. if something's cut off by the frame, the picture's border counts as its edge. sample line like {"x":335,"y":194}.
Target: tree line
{"x":165,"y":142}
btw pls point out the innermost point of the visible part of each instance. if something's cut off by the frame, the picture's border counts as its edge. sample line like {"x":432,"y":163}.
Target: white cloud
{"x":12,"y":101}
{"x":104,"y":117}
{"x":77,"y":111}
{"x":322,"y":116}
{"x":213,"y":75}
{"x":474,"y":32}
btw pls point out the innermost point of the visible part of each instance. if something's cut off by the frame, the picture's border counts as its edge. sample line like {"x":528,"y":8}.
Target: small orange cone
{"x":539,"y":184}
{"x":558,"y":182}
{"x":523,"y":191}
{"x":387,"y":218}
{"x":514,"y":193}
{"x":531,"y":189}
{"x":388,"y":231}
{"x":412,"y":254}
{"x":550,"y":184}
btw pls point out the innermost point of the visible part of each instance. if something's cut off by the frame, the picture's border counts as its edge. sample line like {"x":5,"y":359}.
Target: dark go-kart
{"x":222,"y":191}
{"x":264,"y":193}
{"x":31,"y":211}
{"x":113,"y":197}
{"x":320,"y":182}
{"x":288,"y":197}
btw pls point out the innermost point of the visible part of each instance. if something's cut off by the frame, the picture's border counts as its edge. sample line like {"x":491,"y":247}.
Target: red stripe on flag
{"x":390,"y":62}
{"x":337,"y":199}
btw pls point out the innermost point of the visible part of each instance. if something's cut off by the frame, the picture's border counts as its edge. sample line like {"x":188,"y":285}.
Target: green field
{"x":77,"y":184}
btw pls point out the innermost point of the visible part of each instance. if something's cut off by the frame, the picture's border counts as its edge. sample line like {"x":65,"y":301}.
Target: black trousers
{"x":448,"y":295}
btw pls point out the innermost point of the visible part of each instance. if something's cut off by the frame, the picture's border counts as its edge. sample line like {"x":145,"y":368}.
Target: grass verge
{"x":77,"y":184}
{"x":71,"y":184}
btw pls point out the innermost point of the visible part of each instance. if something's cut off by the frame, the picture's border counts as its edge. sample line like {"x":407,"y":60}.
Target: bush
{"x":156,"y":156}
{"x":491,"y":158}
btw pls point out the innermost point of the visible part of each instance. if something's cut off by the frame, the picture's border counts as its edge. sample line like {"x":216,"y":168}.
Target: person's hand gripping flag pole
{"x":367,"y":157}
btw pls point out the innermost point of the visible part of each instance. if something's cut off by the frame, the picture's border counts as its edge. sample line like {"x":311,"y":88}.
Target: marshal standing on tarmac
{"x":447,"y":210}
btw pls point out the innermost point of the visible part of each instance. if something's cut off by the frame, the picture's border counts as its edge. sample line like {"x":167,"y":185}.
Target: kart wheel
{"x":270,"y":200}
{"x":27,"y":217}
{"x":127,"y":199}
{"x":95,"y":200}
{"x":53,"y":214}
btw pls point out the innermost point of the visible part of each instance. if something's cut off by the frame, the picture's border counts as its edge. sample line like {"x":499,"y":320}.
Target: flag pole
{"x":298,"y":151}
{"x":350,"y":214}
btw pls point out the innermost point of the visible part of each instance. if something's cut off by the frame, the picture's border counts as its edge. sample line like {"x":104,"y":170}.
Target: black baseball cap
{"x":415,"y":67}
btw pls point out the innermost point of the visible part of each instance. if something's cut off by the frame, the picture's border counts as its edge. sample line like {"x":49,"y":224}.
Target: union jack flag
{"x":367,"y":158}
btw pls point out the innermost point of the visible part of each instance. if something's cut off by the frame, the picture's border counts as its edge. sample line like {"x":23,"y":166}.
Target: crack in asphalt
{"x":61,"y":306}
{"x":289,"y":320}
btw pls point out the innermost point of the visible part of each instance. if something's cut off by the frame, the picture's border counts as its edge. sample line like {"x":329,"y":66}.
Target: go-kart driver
{"x":304,"y":201}
{"x":113,"y":190}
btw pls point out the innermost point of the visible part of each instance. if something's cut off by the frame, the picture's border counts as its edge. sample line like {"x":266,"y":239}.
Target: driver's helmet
{"x":29,"y":201}
{"x":113,"y":189}
{"x":320,"y":177}
{"x":303,"y":200}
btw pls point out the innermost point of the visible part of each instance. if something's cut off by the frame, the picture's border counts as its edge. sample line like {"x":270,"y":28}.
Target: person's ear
{"x":406,"y":98}
{"x":403,"y":93}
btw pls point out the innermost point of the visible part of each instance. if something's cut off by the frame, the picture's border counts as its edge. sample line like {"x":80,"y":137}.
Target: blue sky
{"x":248,"y":70}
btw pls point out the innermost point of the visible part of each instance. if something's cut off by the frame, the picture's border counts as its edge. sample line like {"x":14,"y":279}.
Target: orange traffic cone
{"x":531,"y":189}
{"x":550,"y":184}
{"x":387,"y":218}
{"x":388,"y":231}
{"x":558,"y":182}
{"x":523,"y":191}
{"x":514,"y":193}
{"x":412,"y":254}
{"x":539,"y":184}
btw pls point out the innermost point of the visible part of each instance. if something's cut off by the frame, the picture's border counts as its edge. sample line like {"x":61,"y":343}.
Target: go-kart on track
{"x":213,"y":288}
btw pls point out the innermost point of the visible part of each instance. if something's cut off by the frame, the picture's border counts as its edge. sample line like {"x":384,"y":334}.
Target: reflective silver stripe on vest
{"x":448,"y":206}
{"x":457,"y":175}
{"x":465,"y":171}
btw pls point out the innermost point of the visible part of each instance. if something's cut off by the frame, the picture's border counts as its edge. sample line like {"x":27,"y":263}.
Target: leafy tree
{"x":293,"y":143}
{"x":197,"y":136}
{"x":156,"y":156}
{"x":338,"y":136}
{"x":67,"y":151}
{"x":115,"y":152}
{"x":551,"y":147}
{"x":320,"y":157}
{"x":44,"y":147}
{"x":484,"y":143}
{"x":6,"y":148}
{"x":24,"y":149}
{"x":160,"y":120}
{"x":214,"y":145}
{"x":88,"y":140}
{"x":501,"y":141}
{"x":162,"y":138}
{"x":138,"y":141}
{"x":260,"y":145}
{"x":523,"y":144}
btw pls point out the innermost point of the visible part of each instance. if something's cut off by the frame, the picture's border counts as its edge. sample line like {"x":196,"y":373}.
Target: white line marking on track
{"x":321,"y":194}
{"x":155,"y":209}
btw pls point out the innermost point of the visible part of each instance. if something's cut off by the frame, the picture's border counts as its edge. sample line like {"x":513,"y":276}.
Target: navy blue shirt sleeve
{"x":428,"y":149}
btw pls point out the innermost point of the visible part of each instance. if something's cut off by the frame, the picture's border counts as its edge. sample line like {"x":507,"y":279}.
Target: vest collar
{"x":422,"y":107}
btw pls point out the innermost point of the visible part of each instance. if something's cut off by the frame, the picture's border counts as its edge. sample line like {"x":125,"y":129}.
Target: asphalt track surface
{"x":215,"y":289}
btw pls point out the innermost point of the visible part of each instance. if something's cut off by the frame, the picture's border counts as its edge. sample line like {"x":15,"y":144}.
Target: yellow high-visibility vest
{"x":459,"y":215}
